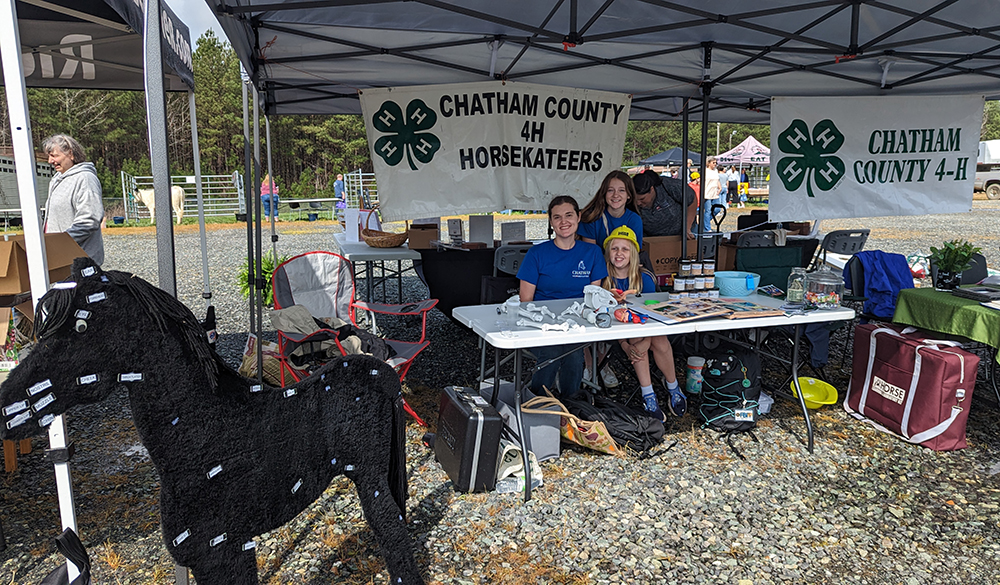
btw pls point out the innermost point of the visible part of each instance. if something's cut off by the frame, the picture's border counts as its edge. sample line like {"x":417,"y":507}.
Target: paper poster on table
{"x":489,"y":146}
{"x":840,"y":157}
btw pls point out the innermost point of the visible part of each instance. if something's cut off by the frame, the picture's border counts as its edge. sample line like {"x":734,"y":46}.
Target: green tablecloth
{"x":931,"y":309}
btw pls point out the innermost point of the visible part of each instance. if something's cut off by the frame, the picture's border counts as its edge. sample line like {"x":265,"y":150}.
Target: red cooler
{"x":916,"y":388}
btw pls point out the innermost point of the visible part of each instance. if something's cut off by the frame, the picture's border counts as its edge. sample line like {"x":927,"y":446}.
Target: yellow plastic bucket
{"x":816,"y":392}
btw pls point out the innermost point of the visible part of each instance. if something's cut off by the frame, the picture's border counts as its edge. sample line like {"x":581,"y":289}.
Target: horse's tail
{"x":397,"y":456}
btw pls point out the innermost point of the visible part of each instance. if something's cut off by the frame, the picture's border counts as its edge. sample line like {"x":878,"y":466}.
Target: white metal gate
{"x":223,"y":194}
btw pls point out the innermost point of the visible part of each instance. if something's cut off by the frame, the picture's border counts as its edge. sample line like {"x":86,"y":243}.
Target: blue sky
{"x":197,"y":16}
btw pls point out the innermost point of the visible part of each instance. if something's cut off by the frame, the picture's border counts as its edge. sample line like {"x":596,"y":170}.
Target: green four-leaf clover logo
{"x":406,"y":134}
{"x":810,"y":159}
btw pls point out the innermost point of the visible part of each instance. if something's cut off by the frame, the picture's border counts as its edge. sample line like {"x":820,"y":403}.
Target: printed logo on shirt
{"x":581,"y":271}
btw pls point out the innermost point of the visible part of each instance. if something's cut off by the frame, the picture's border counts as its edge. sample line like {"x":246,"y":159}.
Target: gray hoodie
{"x":74,"y":206}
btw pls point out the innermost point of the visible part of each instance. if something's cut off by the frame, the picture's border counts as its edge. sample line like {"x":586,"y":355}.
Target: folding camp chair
{"x":846,"y":242}
{"x":323,"y":282}
{"x":500,"y":287}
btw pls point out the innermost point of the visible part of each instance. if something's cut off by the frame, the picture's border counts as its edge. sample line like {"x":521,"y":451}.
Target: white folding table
{"x":360,"y":252}
{"x":500,"y":331}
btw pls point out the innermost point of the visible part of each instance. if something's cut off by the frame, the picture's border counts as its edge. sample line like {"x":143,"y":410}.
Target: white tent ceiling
{"x":310,"y":56}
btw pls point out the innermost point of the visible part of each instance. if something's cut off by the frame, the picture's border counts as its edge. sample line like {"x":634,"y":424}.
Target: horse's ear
{"x":84,"y":267}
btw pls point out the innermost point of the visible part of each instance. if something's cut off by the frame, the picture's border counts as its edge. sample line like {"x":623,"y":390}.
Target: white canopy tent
{"x":750,"y":152}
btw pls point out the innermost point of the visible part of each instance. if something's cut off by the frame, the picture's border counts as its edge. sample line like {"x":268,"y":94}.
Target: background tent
{"x":750,"y":152}
{"x":672,"y":158}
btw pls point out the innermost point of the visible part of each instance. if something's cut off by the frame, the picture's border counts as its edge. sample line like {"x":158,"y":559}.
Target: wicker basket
{"x":380,"y":239}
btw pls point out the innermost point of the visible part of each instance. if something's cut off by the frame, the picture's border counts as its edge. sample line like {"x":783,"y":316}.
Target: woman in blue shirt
{"x":612,"y":207}
{"x":559,"y":269}
{"x":624,"y":273}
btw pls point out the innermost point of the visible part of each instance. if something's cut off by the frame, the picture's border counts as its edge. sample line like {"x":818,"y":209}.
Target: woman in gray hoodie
{"x":74,"y":205}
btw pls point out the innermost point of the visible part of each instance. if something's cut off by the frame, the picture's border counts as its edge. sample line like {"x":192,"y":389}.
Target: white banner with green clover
{"x":839,"y":157}
{"x":489,"y":146}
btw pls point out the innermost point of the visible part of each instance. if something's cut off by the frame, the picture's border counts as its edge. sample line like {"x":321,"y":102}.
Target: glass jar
{"x":685,"y":269}
{"x":824,"y":289}
{"x":796,"y":289}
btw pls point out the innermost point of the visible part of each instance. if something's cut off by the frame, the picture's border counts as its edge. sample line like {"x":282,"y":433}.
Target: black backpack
{"x":730,"y":391}
{"x":630,"y":428}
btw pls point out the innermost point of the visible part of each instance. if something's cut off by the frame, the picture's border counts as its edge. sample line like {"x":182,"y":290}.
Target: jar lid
{"x":825,"y":276}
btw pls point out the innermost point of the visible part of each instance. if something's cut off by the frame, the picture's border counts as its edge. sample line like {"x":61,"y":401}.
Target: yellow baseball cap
{"x":623,"y":232}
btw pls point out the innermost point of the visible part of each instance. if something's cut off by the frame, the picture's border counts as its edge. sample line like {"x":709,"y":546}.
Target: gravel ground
{"x":864,"y":508}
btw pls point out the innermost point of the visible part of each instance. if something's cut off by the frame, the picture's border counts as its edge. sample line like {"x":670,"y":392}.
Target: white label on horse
{"x":290,"y":392}
{"x":89,"y":271}
{"x":130,"y":377}
{"x":182,"y":537}
{"x":218,"y":540}
{"x":39,"y":387}
{"x":82,"y":314}
{"x":47,"y":420}
{"x":47,"y":400}
{"x":249,"y":545}
{"x":296,"y":487}
{"x":96,"y":297}
{"x":212,"y":335}
{"x":90,"y":379}
{"x":18,"y":420}
{"x":214,"y":471}
{"x":15,"y":407}
{"x":256,"y":388}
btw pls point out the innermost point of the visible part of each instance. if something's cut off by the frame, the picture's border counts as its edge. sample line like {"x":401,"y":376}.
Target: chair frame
{"x":840,"y":242}
{"x":289,"y":342}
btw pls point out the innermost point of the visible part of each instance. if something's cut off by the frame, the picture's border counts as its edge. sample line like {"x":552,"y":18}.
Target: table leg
{"x":798,"y":389}
{"x":399,"y":279}
{"x":520,"y":425}
{"x":369,"y":268}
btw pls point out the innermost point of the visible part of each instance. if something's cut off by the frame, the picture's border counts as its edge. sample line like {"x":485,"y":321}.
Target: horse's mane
{"x":57,"y":305}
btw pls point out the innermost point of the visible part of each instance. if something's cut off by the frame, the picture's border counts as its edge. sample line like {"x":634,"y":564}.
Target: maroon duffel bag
{"x":917,"y":388}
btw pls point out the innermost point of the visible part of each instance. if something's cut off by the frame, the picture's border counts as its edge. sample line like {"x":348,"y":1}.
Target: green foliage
{"x":991,"y":121}
{"x":954,"y":256}
{"x":645,"y":138}
{"x":267,"y":264}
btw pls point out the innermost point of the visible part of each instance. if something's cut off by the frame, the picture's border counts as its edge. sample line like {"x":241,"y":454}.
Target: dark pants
{"x":569,"y":368}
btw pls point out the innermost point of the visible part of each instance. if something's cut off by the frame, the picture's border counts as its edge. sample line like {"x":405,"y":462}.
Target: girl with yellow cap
{"x":621,"y":250}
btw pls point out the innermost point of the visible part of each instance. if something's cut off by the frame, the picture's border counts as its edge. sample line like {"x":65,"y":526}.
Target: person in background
{"x":733,"y":186}
{"x":744,"y":185}
{"x":611,"y":207}
{"x":559,"y":269}
{"x":711,"y":187}
{"x":269,"y":197}
{"x":340,"y":194}
{"x":660,"y":204}
{"x":621,"y":251}
{"x":74,"y":204}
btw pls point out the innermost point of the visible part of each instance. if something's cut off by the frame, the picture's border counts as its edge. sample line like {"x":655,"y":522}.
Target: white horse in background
{"x":176,"y":201}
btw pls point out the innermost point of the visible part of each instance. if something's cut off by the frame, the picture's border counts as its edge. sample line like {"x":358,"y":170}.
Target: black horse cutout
{"x":234,"y":459}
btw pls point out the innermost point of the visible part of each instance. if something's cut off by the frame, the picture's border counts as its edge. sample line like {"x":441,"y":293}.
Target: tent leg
{"x":156,"y":115}
{"x":38,"y":274}
{"x":259,"y":280}
{"x":207,"y":291}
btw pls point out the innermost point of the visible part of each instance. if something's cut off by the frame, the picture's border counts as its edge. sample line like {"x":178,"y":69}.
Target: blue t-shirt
{"x":648,"y":285}
{"x":562,"y":274}
{"x":595,"y":230}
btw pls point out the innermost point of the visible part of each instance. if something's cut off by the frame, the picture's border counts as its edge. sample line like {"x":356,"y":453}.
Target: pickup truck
{"x":988,"y":179}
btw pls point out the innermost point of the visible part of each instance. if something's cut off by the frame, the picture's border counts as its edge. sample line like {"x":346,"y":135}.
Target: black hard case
{"x":468,"y":439}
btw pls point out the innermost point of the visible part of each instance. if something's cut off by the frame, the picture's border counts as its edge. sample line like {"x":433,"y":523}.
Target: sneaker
{"x":653,"y":407}
{"x":678,"y":403}
{"x":609,"y":378}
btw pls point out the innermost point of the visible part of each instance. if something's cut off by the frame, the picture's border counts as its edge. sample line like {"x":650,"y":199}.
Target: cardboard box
{"x":60,"y":250}
{"x":665,"y":252}
{"x":725,"y":257}
{"x":421,"y":236}
{"x":481,"y":229}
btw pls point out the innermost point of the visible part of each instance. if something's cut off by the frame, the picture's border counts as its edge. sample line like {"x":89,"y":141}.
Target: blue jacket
{"x":885,"y":275}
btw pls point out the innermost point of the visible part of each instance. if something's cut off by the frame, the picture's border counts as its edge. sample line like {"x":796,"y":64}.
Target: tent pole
{"x":207,"y":291}
{"x":683,"y":176}
{"x":38,"y":273}
{"x":259,"y":280}
{"x":274,"y":214}
{"x":248,"y":190}
{"x":156,"y":116}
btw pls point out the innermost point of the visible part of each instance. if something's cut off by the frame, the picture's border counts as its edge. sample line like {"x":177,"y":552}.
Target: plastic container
{"x":824,"y":289}
{"x":685,"y":270}
{"x":796,"y":289}
{"x":693,"y":377}
{"x":696,"y":269}
{"x":713,"y":293}
{"x":817,"y":393}
{"x":699,"y":283}
{"x":708,"y":268}
{"x":736,"y":283}
{"x":710,"y":281}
